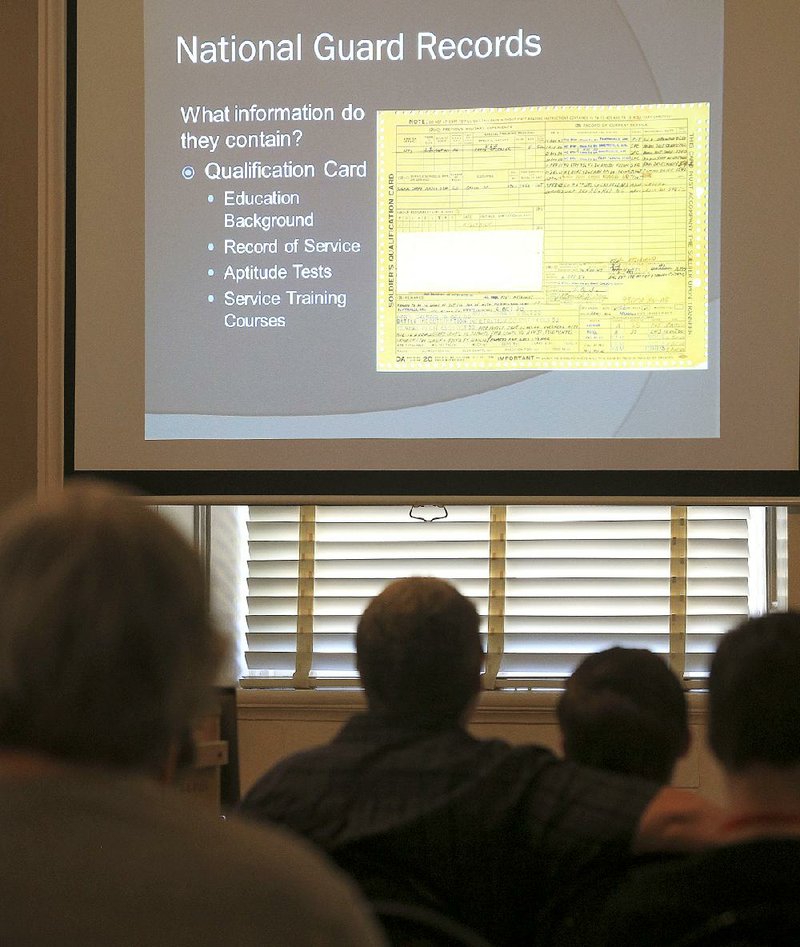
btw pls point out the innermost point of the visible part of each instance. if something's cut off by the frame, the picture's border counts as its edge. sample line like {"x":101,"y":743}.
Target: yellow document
{"x":558,"y":237}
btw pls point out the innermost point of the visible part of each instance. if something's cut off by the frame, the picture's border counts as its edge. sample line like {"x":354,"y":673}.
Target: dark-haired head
{"x":754,"y":694}
{"x":624,"y":710}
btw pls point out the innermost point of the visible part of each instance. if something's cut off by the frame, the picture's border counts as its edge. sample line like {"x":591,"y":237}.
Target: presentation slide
{"x":423,"y":220}
{"x":336,"y":247}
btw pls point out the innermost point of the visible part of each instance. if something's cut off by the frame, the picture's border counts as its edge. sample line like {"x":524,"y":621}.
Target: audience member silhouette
{"x":419,"y":810}
{"x":745,"y":890}
{"x":106,"y":651}
{"x":624,"y":710}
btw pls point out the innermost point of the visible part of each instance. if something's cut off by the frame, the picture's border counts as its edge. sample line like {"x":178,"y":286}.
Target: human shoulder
{"x":292,"y":887}
{"x":365,"y":743}
{"x":271,"y":881}
{"x":261,"y":877}
{"x":132,"y":862}
{"x":295,"y":776}
{"x":594,"y":801}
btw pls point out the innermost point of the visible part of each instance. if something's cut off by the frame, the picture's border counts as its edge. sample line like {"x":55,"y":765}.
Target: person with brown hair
{"x":418,"y":810}
{"x":106,"y":653}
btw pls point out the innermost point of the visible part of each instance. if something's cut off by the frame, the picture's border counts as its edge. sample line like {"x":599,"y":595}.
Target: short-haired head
{"x":754,"y":694}
{"x":419,"y":652}
{"x":624,"y":710}
{"x":106,"y":646}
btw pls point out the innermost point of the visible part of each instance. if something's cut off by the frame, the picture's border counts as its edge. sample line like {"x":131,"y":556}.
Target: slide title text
{"x":328,"y":48}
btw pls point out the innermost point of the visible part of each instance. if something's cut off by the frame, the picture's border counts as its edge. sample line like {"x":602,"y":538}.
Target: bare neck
{"x":764,"y":801}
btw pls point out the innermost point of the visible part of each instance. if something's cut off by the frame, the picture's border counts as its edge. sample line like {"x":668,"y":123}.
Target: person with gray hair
{"x":419,"y":810}
{"x":106,"y":653}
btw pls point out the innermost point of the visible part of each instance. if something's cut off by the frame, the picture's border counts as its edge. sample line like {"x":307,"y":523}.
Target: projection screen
{"x":433,"y":249}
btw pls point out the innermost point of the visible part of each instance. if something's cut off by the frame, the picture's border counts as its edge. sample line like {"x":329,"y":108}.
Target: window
{"x":552,"y":583}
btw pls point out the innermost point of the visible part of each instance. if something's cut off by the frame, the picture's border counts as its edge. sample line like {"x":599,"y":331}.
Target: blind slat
{"x":575,"y":580}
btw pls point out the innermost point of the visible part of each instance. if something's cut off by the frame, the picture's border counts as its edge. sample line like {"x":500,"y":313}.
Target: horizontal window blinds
{"x":357,"y":551}
{"x":551,"y":583}
{"x":724,"y":581}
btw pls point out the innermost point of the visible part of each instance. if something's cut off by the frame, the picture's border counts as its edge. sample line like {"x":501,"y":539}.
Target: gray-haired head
{"x":106,"y":646}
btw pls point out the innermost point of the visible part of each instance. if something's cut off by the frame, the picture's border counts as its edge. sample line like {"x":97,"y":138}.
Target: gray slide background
{"x":316,"y":377}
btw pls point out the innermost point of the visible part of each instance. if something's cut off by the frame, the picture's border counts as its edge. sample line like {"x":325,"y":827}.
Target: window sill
{"x":500,"y":707}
